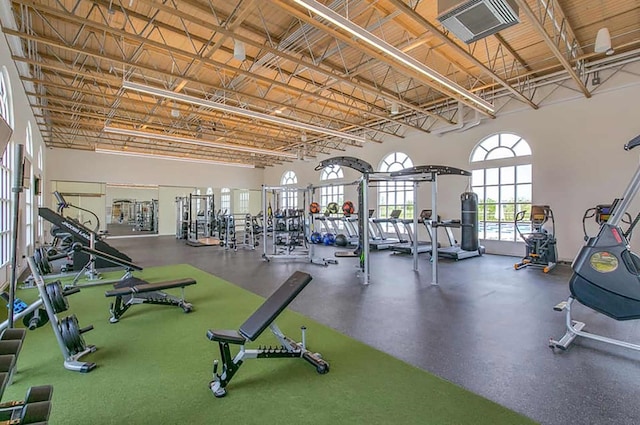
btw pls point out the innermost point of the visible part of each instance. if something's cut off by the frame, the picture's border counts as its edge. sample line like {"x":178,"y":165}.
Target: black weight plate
{"x":74,"y":330}
{"x":64,"y":333}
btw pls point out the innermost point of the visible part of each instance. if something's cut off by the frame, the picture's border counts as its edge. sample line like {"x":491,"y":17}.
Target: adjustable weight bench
{"x":251,"y":329}
{"x":133,"y":290}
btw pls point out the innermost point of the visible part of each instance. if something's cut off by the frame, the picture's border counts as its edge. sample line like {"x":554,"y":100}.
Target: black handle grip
{"x":70,"y":291}
{"x":632,"y":143}
{"x":86,"y":329}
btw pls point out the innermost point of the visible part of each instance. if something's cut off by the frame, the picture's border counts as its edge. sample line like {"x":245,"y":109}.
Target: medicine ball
{"x":332,"y":208}
{"x":316,"y":237}
{"x":314,"y":208}
{"x":329,"y":239}
{"x":347,"y":208}
{"x":341,"y":240}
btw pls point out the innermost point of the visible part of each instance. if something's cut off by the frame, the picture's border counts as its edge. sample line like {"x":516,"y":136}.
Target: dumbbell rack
{"x":36,"y":406}
{"x":67,"y":332}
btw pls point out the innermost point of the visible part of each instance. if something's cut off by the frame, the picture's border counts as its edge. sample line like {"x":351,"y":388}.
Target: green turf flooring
{"x":154,"y":367}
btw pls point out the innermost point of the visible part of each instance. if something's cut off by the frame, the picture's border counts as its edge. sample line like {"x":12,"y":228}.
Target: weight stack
{"x":469,"y":201}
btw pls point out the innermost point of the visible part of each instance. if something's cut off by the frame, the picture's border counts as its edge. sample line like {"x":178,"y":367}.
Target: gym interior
{"x":430,"y":203}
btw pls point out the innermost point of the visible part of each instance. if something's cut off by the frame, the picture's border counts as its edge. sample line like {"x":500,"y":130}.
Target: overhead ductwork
{"x":471,"y":20}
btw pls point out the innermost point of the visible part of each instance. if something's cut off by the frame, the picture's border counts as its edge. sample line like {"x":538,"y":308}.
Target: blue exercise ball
{"x":329,"y":239}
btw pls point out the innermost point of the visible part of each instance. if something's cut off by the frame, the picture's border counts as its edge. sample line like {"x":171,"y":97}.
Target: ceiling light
{"x":603,"y":42}
{"x":171,"y":158}
{"x":395,"y":109}
{"x":154,"y":91}
{"x":198,"y":142}
{"x":238,"y":50}
{"x":393,"y":52}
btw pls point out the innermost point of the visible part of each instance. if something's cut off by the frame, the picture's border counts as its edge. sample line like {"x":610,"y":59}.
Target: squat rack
{"x":422,"y":173}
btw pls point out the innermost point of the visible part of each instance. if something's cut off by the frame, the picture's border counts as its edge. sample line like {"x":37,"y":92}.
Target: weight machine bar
{"x":434,"y":242}
{"x":629,"y":193}
{"x":37,"y":277}
{"x":415,"y":226}
{"x":18,"y":180}
{"x":364,"y":213}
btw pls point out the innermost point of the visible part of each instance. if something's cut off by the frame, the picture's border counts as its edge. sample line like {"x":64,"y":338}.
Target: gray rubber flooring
{"x":485,"y":327}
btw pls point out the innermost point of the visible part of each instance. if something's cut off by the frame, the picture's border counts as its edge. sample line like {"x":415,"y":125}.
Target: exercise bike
{"x":541,"y":249}
{"x":606,"y":273}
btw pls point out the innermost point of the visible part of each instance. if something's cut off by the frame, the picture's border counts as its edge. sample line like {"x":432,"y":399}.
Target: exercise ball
{"x":341,"y":240}
{"x":329,"y":239}
{"x":316,"y":237}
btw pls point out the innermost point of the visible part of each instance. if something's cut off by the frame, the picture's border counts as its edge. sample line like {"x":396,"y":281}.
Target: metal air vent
{"x":471,"y":20}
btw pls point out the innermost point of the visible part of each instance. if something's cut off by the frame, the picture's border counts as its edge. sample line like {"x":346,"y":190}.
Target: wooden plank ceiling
{"x":298,"y":67}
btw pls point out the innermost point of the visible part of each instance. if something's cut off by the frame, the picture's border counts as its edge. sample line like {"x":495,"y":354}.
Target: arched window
{"x":6,"y":111}
{"x":501,"y":177}
{"x":225,"y":199}
{"x":335,"y":192}
{"x":395,"y":195}
{"x":6,"y":101}
{"x":289,"y":197}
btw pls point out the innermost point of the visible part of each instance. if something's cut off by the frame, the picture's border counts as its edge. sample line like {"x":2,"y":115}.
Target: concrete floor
{"x":485,"y":327}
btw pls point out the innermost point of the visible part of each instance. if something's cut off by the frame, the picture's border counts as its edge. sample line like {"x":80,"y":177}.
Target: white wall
{"x":578,"y":159}
{"x":75,"y":165}
{"x":22,"y":116}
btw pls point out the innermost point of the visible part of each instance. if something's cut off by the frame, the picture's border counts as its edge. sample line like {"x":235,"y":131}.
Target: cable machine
{"x":286,"y":230}
{"x":201,"y":220}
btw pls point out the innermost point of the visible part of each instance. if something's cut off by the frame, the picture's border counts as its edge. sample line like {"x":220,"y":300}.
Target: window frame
{"x":6,"y":171}
{"x":501,"y":176}
{"x":398,"y":190}
{"x":289,"y":196}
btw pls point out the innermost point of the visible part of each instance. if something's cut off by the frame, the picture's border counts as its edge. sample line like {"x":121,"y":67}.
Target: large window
{"x":225,"y":200}
{"x":395,"y":195}
{"x":5,"y":172}
{"x":501,"y":177}
{"x":289,"y":197}
{"x":335,"y":192}
{"x":243,"y":201}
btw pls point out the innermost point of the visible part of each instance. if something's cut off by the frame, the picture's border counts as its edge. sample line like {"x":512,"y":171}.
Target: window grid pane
{"x":395,"y":195}
{"x":503,"y":191}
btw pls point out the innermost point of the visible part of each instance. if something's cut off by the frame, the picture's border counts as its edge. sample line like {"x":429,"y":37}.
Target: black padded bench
{"x":251,"y":329}
{"x":133,"y":290}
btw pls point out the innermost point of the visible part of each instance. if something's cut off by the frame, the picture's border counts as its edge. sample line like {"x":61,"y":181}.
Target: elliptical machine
{"x":606,"y":273}
{"x":540,"y":243}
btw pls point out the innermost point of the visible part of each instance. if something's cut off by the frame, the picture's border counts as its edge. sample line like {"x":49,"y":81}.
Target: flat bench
{"x":251,"y":329}
{"x":133,"y":290}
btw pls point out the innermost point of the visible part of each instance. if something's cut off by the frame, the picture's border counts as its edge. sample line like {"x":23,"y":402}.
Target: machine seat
{"x":230,"y":336}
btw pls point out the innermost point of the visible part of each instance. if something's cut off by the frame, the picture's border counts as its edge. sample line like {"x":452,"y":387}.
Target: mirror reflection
{"x":131,"y":209}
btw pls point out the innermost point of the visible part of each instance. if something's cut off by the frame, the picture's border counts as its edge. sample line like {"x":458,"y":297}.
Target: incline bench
{"x":253,"y":327}
{"x":132,"y":290}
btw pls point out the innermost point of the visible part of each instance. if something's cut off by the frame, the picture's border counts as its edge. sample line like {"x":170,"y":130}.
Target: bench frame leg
{"x":574,"y":330}
{"x":124,"y":302}
{"x":288,"y":348}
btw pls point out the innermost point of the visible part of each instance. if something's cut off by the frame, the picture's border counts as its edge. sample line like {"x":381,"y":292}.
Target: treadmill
{"x":407,"y":247}
{"x":382,"y":241}
{"x":453,"y":251}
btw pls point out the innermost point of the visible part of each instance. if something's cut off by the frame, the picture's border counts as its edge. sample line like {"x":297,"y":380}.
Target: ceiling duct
{"x":471,"y":20}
